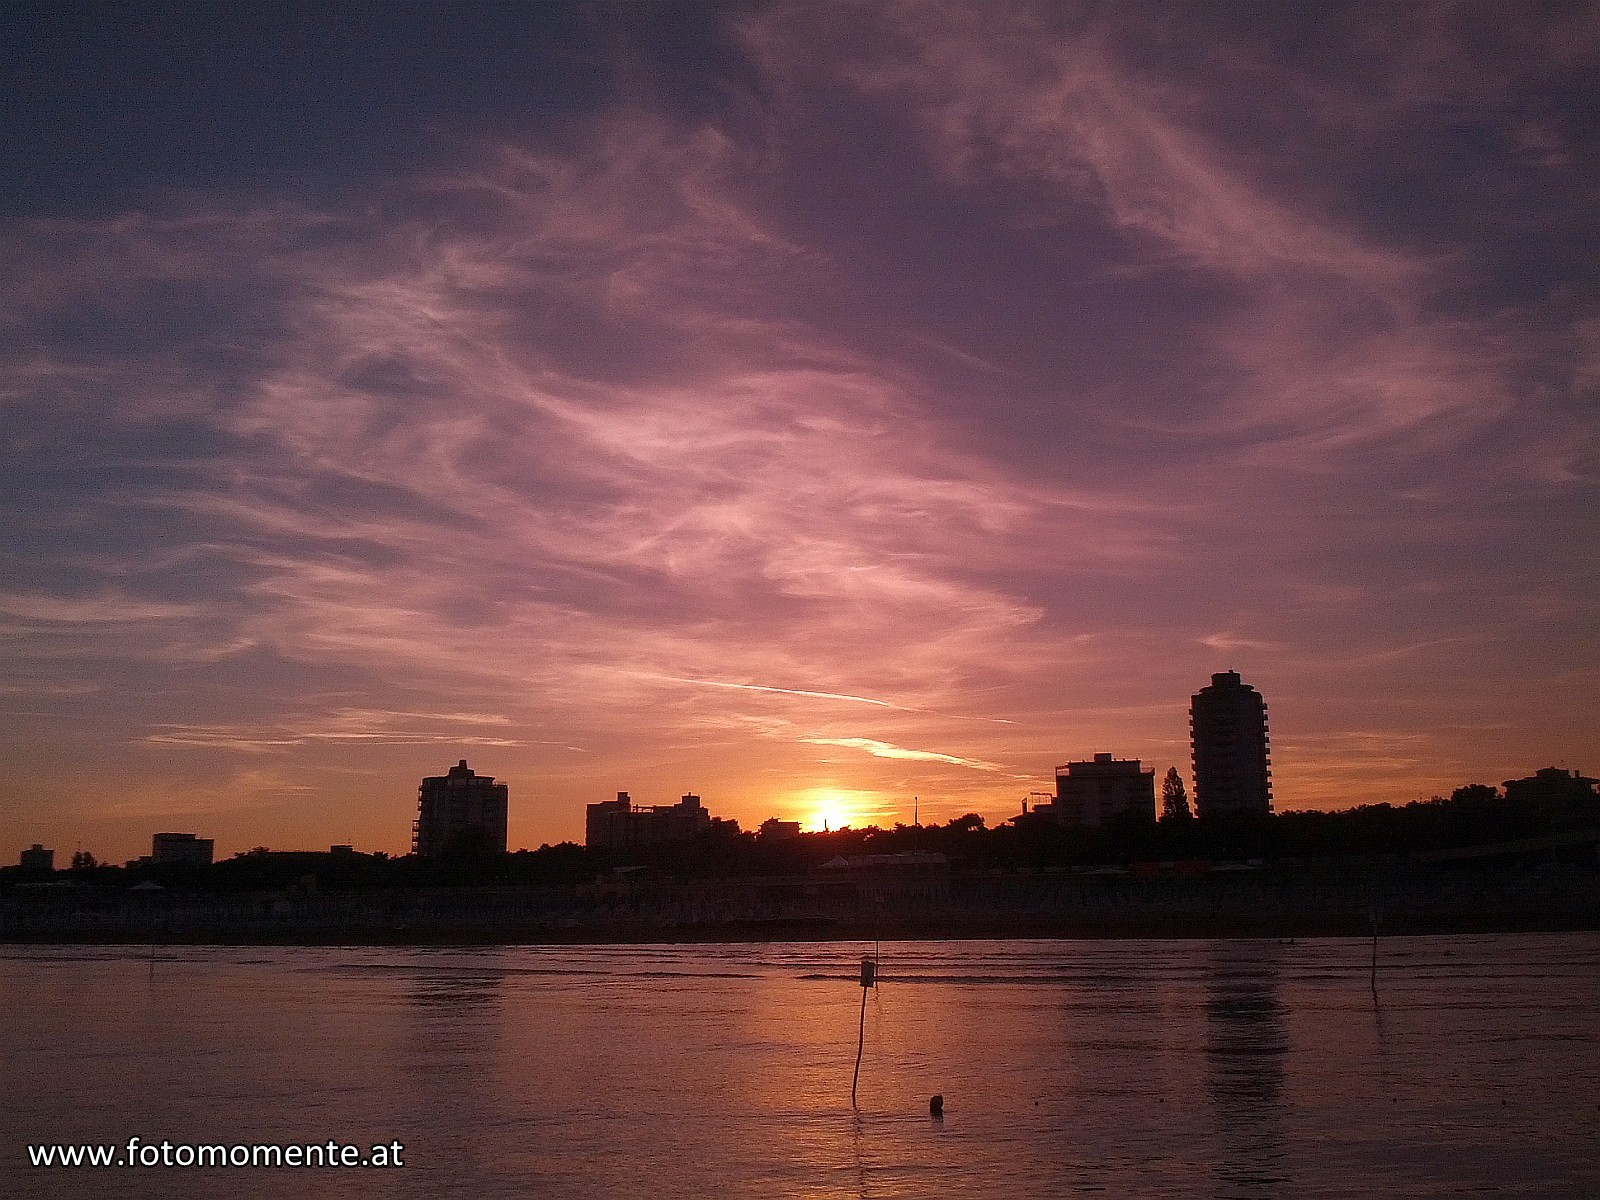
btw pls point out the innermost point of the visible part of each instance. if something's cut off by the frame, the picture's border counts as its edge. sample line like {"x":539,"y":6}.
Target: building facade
{"x":1552,"y":785}
{"x":621,"y":822}
{"x":1232,"y":756}
{"x":38,"y":860}
{"x":460,"y":812}
{"x":184,"y":848}
{"x":1103,"y":789}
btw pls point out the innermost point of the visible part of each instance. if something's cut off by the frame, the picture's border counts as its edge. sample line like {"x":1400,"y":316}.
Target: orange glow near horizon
{"x":833,"y":808}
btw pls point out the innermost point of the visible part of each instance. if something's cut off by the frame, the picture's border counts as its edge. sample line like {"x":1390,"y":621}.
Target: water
{"x":1122,"y":1069}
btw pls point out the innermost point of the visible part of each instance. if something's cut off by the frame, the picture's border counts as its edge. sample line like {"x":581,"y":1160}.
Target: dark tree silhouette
{"x":1174,"y":799}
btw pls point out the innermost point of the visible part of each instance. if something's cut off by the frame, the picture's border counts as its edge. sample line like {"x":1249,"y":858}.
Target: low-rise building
{"x":185,"y":848}
{"x":621,"y":822}
{"x":1098,"y":791}
{"x":37,"y":860}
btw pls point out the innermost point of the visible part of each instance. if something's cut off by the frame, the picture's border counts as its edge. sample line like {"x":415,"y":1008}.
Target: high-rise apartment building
{"x":461,"y":812}
{"x":1232,"y":760}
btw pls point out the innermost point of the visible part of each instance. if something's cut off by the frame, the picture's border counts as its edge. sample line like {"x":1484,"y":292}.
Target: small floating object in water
{"x":936,"y":1106}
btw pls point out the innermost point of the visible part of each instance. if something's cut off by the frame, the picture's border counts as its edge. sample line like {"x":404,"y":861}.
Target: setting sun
{"x":837,"y":808}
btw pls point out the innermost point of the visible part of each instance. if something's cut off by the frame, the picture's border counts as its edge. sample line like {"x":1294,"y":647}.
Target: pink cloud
{"x":607,"y":447}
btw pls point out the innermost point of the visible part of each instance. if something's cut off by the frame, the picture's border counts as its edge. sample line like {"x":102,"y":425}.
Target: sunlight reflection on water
{"x":1134,"y":1069}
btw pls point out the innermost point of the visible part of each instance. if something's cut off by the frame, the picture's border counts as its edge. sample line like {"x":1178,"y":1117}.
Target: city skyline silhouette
{"x":810,"y":407}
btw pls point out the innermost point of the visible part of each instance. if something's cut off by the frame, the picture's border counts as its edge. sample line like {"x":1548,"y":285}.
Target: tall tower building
{"x":1232,"y":762}
{"x":462,"y":812}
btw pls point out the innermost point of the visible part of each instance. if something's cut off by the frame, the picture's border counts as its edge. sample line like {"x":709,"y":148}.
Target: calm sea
{"x":1123,"y":1069}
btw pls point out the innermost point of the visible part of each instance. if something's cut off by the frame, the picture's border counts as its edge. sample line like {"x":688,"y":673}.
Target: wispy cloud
{"x":756,"y":687}
{"x":104,"y":609}
{"x":1002,"y":369}
{"x":1229,"y":642}
{"x":344,"y":726}
{"x":888,"y":750}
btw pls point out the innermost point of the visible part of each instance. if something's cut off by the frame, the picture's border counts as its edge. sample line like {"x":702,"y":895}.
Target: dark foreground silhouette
{"x":1478,"y":861}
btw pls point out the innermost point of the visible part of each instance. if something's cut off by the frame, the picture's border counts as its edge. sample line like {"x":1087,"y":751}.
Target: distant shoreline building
{"x":1551,"y":783}
{"x":461,"y":812}
{"x":1104,"y":789}
{"x":167,"y":849}
{"x":620,"y":822}
{"x":1232,"y":754}
{"x":38,"y":860}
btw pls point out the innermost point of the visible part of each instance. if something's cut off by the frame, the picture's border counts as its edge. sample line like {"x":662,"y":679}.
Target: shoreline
{"x":1140,"y":928}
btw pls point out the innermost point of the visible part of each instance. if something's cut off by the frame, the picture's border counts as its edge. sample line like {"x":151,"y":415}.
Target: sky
{"x":836,"y":410}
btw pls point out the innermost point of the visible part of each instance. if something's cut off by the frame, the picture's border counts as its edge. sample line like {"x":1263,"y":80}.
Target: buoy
{"x":936,"y":1106}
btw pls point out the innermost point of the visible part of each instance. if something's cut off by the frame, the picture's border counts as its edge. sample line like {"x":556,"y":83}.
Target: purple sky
{"x":808,"y":405}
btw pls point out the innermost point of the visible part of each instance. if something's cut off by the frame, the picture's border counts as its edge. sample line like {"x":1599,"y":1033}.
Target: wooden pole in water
{"x":861,"y":1041}
{"x":1376,"y":918}
{"x":869,"y":979}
